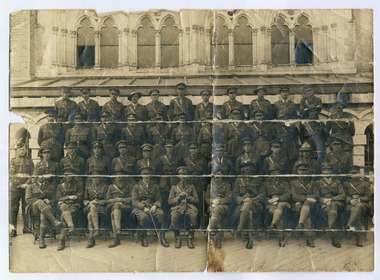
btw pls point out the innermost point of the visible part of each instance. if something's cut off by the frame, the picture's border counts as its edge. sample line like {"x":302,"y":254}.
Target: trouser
{"x":330,"y":213}
{"x":17,"y":196}
{"x":356,"y":212}
{"x":247,"y":211}
{"x":217,"y":213}
{"x":118,"y":209}
{"x":277,"y":215}
{"x":190,"y":214}
{"x":305,"y":216}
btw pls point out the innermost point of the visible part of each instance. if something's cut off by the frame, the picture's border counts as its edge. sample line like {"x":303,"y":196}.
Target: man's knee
{"x":63,"y":207}
{"x":143,"y":218}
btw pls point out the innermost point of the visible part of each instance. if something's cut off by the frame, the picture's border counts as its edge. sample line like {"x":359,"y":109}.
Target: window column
{"x":325,"y":44}
{"x":97,"y":49}
{"x":333,"y":39}
{"x":180,"y":50}
{"x":231,"y":45}
{"x":291,"y":47}
{"x":54,"y":45}
{"x":316,"y":43}
{"x":120,"y":60}
{"x":208,"y":46}
{"x":73,"y":52}
{"x":125,"y":45}
{"x":134,"y":49}
{"x":262,"y":52}
{"x":200,"y":44}
{"x":268,"y":43}
{"x":158,"y":49}
{"x":64,"y":47}
{"x":254,"y":46}
{"x":194,"y":45}
{"x":187,"y":45}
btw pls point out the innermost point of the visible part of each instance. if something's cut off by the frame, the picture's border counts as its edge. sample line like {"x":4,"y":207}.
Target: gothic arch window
{"x":369,"y":148}
{"x":243,"y":42}
{"x":280,"y":42}
{"x":303,"y":39}
{"x":169,"y":44}
{"x":109,"y":44}
{"x":145,"y":44}
{"x":85,"y":44}
{"x":220,"y":43}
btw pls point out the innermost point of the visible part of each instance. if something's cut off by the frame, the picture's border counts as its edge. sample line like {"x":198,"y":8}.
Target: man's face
{"x":41,"y":180}
{"x":232,"y":95}
{"x":65,"y":95}
{"x":309,"y":92}
{"x":305,"y":154}
{"x":97,"y":151}
{"x":193,"y":150}
{"x":182,"y":119}
{"x":246,"y":170}
{"x":339,"y":107}
{"x":337,"y":146}
{"x":50,"y":118}
{"x":284,"y":94}
{"x":46,"y":155}
{"x":302,"y":170}
{"x":259,"y":116}
{"x":326,"y":171}
{"x":146,"y":154}
{"x":219,"y":153}
{"x":260,"y":93}
{"x":145,"y":175}
{"x":313,"y":115}
{"x":86,"y":95}
{"x":155,"y":96}
{"x":131,"y":119}
{"x":71,"y":150}
{"x":236,"y":115}
{"x":275,"y":149}
{"x":181,"y":91}
{"x":205,"y":97}
{"x":134,"y":99}
{"x":123,"y":150}
{"x":218,"y":176}
{"x":69,"y":179}
{"x":104,"y":118}
{"x":247,"y":148}
{"x":169,"y":149}
{"x":21,"y":151}
{"x":113,"y":96}
{"x":77,"y":120}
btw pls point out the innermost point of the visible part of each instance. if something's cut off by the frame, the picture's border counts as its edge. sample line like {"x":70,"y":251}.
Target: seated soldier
{"x":72,"y":160}
{"x":147,"y":159}
{"x":70,"y":203}
{"x":248,"y":194}
{"x":277,"y":201}
{"x":261,"y":133}
{"x":146,"y":201}
{"x":358,"y":196}
{"x":218,"y":197}
{"x":119,"y":198}
{"x":183,"y":198}
{"x":300,"y":189}
{"x":330,"y":194}
{"x":95,"y":205}
{"x":40,"y":197}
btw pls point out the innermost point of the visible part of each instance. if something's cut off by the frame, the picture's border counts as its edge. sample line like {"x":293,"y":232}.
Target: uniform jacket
{"x":75,"y":163}
{"x":22,"y":166}
{"x":324,"y":188}
{"x":228,"y":106}
{"x":145,"y":195}
{"x":65,"y":109}
{"x":38,"y":191}
{"x":100,"y":164}
{"x":178,"y":105}
{"x":125,"y":164}
{"x":357,"y":188}
{"x":340,"y":162}
{"x":116,"y":109}
{"x":308,"y":103}
{"x":154,"y":107}
{"x":139,"y":110}
{"x":223,"y":190}
{"x":300,"y":189}
{"x":263,"y":105}
{"x":287,"y":108}
{"x":277,"y":187}
{"x":65,"y":190}
{"x":90,"y":110}
{"x":201,"y":109}
{"x":179,"y":204}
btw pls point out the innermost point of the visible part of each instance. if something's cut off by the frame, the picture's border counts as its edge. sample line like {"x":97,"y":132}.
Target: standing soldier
{"x":300,"y":189}
{"x":134,"y":134}
{"x":339,"y":159}
{"x":65,"y":107}
{"x":248,"y":155}
{"x":309,"y":101}
{"x":70,"y":202}
{"x":181,"y":104}
{"x":218,"y":197}
{"x":125,"y":163}
{"x":107,"y":133}
{"x":147,"y":159}
{"x":358,"y":197}
{"x":80,"y":133}
{"x":146,"y":201}
{"x":231,"y":104}
{"x":158,"y":133}
{"x":183,"y":198}
{"x":72,"y":160}
{"x":248,"y":195}
{"x":46,"y":165}
{"x":135,"y":108}
{"x":97,"y":163}
{"x":314,"y":132}
{"x":261,"y":104}
{"x":40,"y":197}
{"x":341,"y":124}
{"x":275,"y":161}
{"x":277,"y":201}
{"x":233,"y":133}
{"x":182,"y":134}
{"x":330,"y":194}
{"x":51,"y":135}
{"x":284,"y":108}
{"x":89,"y":108}
{"x":115,"y":107}
{"x":219,"y":161}
{"x":205,"y":137}
{"x":156,"y":106}
{"x":95,"y":202}
{"x":261,"y":134}
{"x":20,"y":171}
{"x":119,"y":198}
{"x":202,"y":108}
{"x":306,"y":158}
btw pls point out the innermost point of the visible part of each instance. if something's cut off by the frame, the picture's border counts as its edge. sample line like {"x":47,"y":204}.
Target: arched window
{"x":243,"y":42}
{"x":303,"y":39}
{"x":85,"y":44}
{"x":145,"y":44}
{"x":169,"y":44}
{"x":280,"y":42}
{"x":109,"y":44}
{"x":369,"y":148}
{"x":220,"y":46}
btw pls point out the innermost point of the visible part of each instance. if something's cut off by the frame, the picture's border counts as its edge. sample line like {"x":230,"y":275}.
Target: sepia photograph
{"x":191,"y":140}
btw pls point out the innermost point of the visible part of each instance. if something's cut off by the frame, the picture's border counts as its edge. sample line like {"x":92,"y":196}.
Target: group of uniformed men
{"x":153,"y":163}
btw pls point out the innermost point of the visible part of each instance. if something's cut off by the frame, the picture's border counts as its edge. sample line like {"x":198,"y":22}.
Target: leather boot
{"x":178,"y":242}
{"x":335,"y":243}
{"x":190,"y":243}
{"x":310,"y":242}
{"x":218,"y":240}
{"x":96,"y":234}
{"x":13,"y":233}
{"x":163,"y":240}
{"x":359,"y":240}
{"x":281,"y":242}
{"x":90,"y":243}
{"x":115,"y":242}
{"x":71,"y":230}
{"x":42,"y":244}
{"x":250,"y":241}
{"x":144,"y":240}
{"x":61,"y":245}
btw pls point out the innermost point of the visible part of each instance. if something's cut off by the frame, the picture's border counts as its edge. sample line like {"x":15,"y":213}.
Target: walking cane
{"x":154,"y":225}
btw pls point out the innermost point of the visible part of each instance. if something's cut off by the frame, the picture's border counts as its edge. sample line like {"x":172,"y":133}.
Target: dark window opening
{"x":280,"y":42}
{"x":369,"y":148}
{"x":86,"y":56}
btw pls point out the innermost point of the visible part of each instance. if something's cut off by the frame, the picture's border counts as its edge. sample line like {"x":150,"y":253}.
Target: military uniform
{"x":125,"y":164}
{"x":181,"y":105}
{"x":51,"y":135}
{"x":107,"y":134}
{"x":233,"y":133}
{"x":222,"y":163}
{"x":248,"y":157}
{"x":76,"y":163}
{"x":262,"y":105}
{"x":315,"y":134}
{"x":90,"y":110}
{"x":275,"y":162}
{"x":284,"y":108}
{"x":81,"y":134}
{"x":139,"y":110}
{"x":157,"y":136}
{"x":340,"y":161}
{"x":65,"y":109}
{"x":154,"y":107}
{"x":228,"y":106}
{"x":205,"y":139}
{"x":135,"y":137}
{"x":308,"y":103}
{"x":98,"y":165}
{"x":182,"y":135}
{"x":201,"y":110}
{"x":48,"y":167}
{"x":288,"y":135}
{"x":116,"y":109}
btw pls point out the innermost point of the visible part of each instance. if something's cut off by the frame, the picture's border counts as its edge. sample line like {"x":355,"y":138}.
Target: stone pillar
{"x":180,"y":47}
{"x":292,"y":47}
{"x":316,"y":43}
{"x":194,"y":45}
{"x":334,"y":50}
{"x":208,"y":46}
{"x":158,"y":49}
{"x":324,"y":47}
{"x":187,"y":45}
{"x":254,"y":46}
{"x":231,"y":48}
{"x":73,"y":50}
{"x":125,"y":47}
{"x":261,"y":46}
{"x":268,"y":47}
{"x":134,"y":49}
{"x":97,"y":49}
{"x":200,"y":45}
{"x":64,"y":47}
{"x":54,"y":45}
{"x":120,"y":49}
